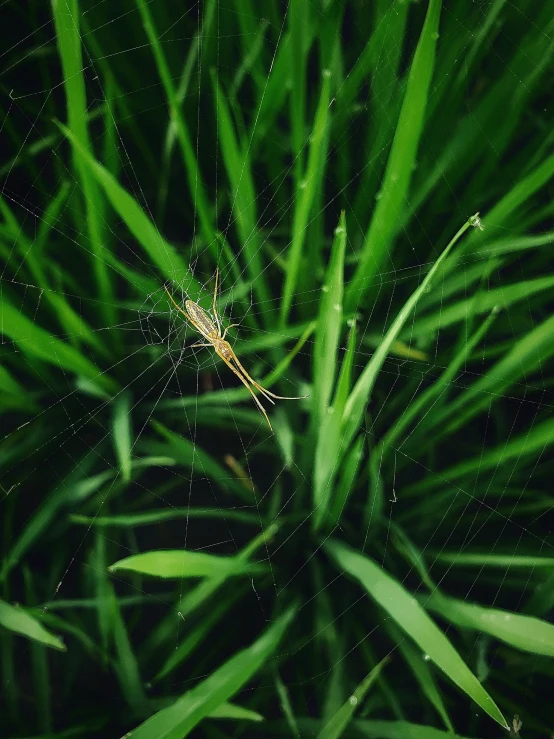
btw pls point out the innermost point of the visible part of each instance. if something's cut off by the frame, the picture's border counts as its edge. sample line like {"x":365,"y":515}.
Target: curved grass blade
{"x":527,"y":633}
{"x":193,"y":457}
{"x":505,"y":561}
{"x":180,"y":563}
{"x":527,"y":355}
{"x":18,"y":621}
{"x":191,"y":168}
{"x":400,"y":730}
{"x":160,"y":251}
{"x":328,"y":454}
{"x":338,"y":723}
{"x":238,"y":713}
{"x":399,"y":603}
{"x":533,"y":441}
{"x":394,"y":190}
{"x":349,"y":422}
{"x":423,"y":673}
{"x":121,"y":431}
{"x":66,"y":20}
{"x":305,"y":195}
{"x":464,"y":310}
{"x":329,"y":324}
{"x":36,"y":341}
{"x":243,"y":197}
{"x":179,"y":720}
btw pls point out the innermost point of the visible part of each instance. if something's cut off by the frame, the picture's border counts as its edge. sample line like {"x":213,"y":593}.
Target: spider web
{"x":196,"y":397}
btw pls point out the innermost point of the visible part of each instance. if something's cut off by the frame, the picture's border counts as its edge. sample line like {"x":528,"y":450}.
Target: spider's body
{"x":203,"y":323}
{"x":201,"y":320}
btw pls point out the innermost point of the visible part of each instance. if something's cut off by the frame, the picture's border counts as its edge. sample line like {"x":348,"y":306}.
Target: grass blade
{"x":122,"y":432}
{"x":243,"y":196}
{"x":126,"y":664}
{"x":504,"y":561}
{"x":305,"y":195}
{"x":39,"y":343}
{"x":401,"y":730}
{"x":66,"y":20}
{"x":534,"y":442}
{"x":527,"y":355}
{"x":433,"y":394}
{"x":483,"y":302}
{"x":18,"y":621}
{"x":190,"y":455}
{"x":338,"y":723}
{"x":361,"y":393}
{"x":181,"y":563}
{"x":411,"y":617}
{"x":160,"y":251}
{"x":179,"y":720}
{"x":192,"y":170}
{"x":328,"y":328}
{"x":392,"y":201}
{"x":522,"y":632}
{"x":328,"y":446}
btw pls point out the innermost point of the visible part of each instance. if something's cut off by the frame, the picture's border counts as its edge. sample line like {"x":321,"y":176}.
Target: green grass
{"x":379,"y":566}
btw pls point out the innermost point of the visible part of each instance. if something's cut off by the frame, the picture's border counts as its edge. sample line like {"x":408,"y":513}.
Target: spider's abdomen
{"x":200,"y":319}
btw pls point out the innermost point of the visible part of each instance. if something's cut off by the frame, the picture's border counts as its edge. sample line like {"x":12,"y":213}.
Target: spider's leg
{"x":247,"y":386}
{"x":175,"y":304}
{"x":265,"y":392}
{"x":192,"y":346}
{"x":262,"y":390}
{"x":214,"y":309}
{"x":232,"y":325}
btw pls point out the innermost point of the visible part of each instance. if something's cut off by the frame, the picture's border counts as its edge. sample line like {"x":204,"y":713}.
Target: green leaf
{"x":400,"y":730}
{"x":463,"y":310}
{"x":236,"y":713}
{"x":433,"y":395}
{"x":305,"y":195}
{"x":346,"y":481}
{"x":40,"y":343}
{"x":8,"y":384}
{"x":179,"y":720}
{"x":158,"y":515}
{"x":395,"y":188}
{"x":126,"y":663}
{"x":68,"y":490}
{"x":328,"y":454}
{"x":17,"y":620}
{"x":400,"y":604}
{"x":423,"y":674}
{"x":160,"y":251}
{"x":121,"y":430}
{"x":190,"y":162}
{"x":180,"y":563}
{"x":528,"y":354}
{"x":242,"y":195}
{"x":523,"y":632}
{"x":194,"y":458}
{"x":67,"y":21}
{"x":361,"y":393}
{"x":505,"y":561}
{"x":338,"y":723}
{"x":329,"y":325}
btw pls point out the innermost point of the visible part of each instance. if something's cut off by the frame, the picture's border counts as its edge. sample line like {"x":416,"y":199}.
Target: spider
{"x":202,"y":322}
